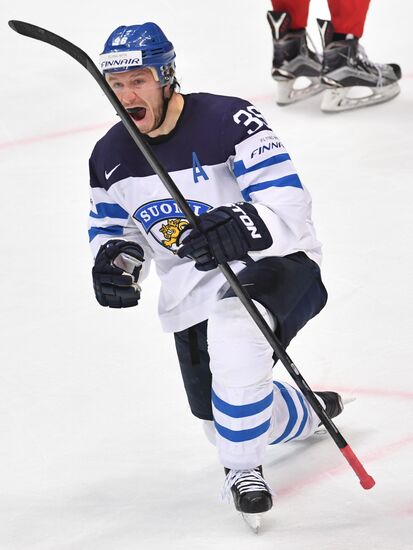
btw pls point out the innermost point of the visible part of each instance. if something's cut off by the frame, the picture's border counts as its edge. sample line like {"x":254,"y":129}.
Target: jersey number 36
{"x":248,"y":117}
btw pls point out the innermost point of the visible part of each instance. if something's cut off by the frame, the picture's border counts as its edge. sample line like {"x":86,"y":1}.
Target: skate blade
{"x":253,"y":521}
{"x":298,"y":89}
{"x":337,"y":100}
{"x":348,"y":399}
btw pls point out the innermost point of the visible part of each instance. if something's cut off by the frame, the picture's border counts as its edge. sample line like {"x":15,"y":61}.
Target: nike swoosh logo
{"x":108,"y":174}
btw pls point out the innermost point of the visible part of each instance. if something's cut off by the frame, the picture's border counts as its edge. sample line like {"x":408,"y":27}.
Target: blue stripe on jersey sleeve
{"x":109,"y":210}
{"x":240,"y":169}
{"x":112,"y":231}
{"x":241,"y":411}
{"x":238,"y":436}
{"x":291,"y":180}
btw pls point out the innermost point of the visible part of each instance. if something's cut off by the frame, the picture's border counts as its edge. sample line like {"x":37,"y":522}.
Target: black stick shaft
{"x":33,"y":31}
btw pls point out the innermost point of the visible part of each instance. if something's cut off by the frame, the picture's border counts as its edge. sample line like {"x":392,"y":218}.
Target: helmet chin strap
{"x":165,"y":106}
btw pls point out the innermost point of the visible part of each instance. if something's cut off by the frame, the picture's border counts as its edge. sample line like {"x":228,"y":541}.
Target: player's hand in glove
{"x":116,"y":272}
{"x":224,"y":234}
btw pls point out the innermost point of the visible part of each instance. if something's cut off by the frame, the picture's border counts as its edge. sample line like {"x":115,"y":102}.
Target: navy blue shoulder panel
{"x":210,"y":125}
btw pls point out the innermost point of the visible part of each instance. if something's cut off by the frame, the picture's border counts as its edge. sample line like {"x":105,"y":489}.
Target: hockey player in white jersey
{"x":253,"y":212}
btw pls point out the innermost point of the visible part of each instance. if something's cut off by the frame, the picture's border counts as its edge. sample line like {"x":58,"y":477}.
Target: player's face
{"x":141,"y":94}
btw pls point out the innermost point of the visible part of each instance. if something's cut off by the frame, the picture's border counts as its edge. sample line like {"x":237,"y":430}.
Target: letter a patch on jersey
{"x":197,"y":169}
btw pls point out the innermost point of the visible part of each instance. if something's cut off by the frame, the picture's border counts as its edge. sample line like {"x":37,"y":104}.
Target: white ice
{"x":98,"y":450}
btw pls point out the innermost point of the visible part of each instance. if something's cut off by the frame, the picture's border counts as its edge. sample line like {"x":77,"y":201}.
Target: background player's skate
{"x":295,"y":67}
{"x":353,"y":80}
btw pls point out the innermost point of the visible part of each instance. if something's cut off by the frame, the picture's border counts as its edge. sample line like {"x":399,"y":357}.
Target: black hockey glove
{"x":116,"y":272}
{"x":224,"y":234}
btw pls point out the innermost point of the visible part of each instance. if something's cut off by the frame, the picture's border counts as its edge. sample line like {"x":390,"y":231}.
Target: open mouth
{"x":137,"y":113}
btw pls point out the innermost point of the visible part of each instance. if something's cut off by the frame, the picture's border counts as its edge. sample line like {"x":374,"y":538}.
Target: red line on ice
{"x":377,"y":392}
{"x":74,"y":131}
{"x":53,"y":135}
{"x":377,"y":454}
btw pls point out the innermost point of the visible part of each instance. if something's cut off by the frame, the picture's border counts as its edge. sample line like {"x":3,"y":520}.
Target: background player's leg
{"x":296,"y":9}
{"x":351,"y":78}
{"x":348,"y":16}
{"x":295,"y":66}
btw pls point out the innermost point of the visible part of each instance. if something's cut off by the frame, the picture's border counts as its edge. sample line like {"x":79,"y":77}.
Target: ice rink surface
{"x":98,"y":450}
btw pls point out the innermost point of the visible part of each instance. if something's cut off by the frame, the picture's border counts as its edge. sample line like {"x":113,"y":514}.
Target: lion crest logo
{"x":171,"y":231}
{"x":165,"y":221}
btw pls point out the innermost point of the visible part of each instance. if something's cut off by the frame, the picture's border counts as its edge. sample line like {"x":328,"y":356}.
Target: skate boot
{"x":333,"y":404}
{"x":251,"y":493}
{"x":295,"y":67}
{"x":353,"y":81}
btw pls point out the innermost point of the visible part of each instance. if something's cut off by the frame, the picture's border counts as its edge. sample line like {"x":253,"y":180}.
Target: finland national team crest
{"x":165,"y":220}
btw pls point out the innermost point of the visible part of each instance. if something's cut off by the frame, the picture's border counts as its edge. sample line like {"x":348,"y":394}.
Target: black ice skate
{"x":251,"y":493}
{"x":333,"y":403}
{"x":295,"y":67}
{"x":353,"y":80}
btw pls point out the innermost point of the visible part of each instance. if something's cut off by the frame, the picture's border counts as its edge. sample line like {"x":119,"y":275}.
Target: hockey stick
{"x":32,"y":31}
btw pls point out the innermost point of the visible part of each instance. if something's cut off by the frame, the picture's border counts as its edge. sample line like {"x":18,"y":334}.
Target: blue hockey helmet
{"x":139,"y":46}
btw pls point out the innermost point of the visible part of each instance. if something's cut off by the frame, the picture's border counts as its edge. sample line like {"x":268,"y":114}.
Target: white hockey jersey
{"x":221,"y":151}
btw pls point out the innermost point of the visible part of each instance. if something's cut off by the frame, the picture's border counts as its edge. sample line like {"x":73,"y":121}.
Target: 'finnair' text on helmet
{"x":120,"y":59}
